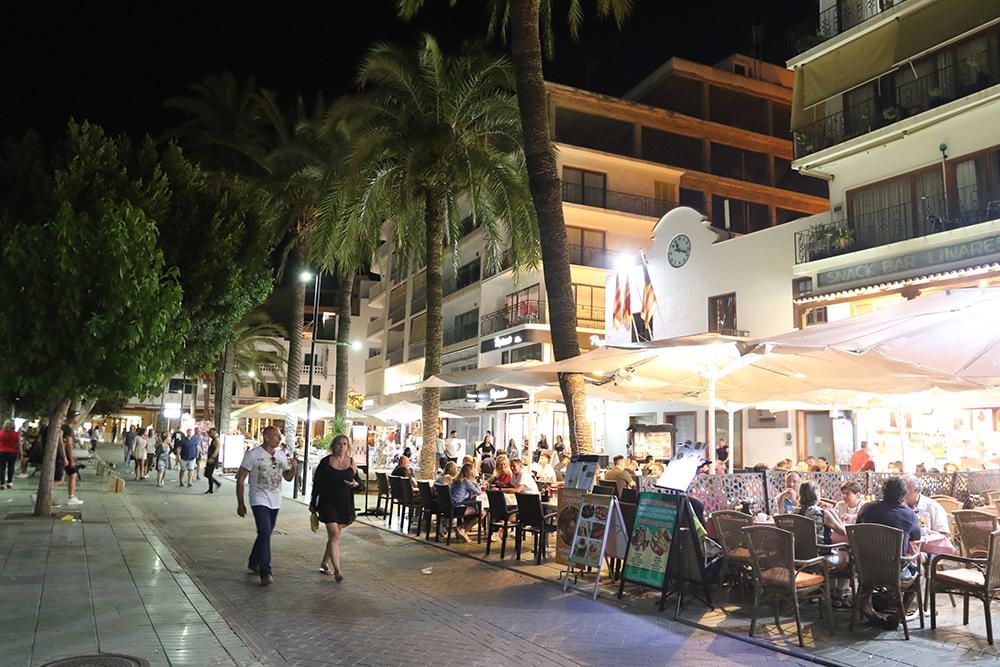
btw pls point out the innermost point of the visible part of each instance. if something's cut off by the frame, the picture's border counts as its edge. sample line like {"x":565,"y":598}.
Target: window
{"x":586,"y":246}
{"x":268,"y":389}
{"x":693,"y":199}
{"x":584,"y":187}
{"x":525,"y":353}
{"x":897,"y":209}
{"x":722,"y":313}
{"x":977,"y":187}
{"x":816,"y":316}
{"x":304,"y":390}
{"x":524,"y":300}
{"x":589,"y":306}
{"x":743,"y":216}
{"x":177,"y":383}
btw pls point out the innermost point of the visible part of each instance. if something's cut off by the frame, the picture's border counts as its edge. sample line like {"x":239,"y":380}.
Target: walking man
{"x":69,"y":459}
{"x":212,"y":459}
{"x":128,"y":441}
{"x":265,"y":466}
{"x":187,"y":452}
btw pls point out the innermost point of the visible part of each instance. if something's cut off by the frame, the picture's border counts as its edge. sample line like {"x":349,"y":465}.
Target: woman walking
{"x":161,"y":455}
{"x":334,"y":482}
{"x":212,"y":459}
{"x":139,"y":454}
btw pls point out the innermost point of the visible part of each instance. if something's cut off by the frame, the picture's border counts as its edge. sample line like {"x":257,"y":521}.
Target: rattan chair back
{"x":974,"y":528}
{"x":772,"y":555}
{"x":728,"y":526}
{"x":804,"y":530}
{"x":878,"y":552}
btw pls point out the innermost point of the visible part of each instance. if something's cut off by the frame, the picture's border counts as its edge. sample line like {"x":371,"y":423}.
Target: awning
{"x":876,"y":288}
{"x":849,"y":65}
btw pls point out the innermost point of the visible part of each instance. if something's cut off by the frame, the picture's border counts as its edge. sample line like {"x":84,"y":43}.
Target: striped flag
{"x":627,"y":305}
{"x":648,"y":299}
{"x":618,"y":303}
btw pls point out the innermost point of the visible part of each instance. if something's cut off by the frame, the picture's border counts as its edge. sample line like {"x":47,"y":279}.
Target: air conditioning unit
{"x":766,"y":415}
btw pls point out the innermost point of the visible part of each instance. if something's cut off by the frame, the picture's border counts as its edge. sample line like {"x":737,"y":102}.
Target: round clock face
{"x":679,"y":250}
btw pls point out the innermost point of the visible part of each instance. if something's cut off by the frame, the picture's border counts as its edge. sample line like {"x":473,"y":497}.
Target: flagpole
{"x":659,"y":311}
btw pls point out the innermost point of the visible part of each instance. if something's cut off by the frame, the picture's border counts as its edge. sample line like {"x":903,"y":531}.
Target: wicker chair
{"x":991,"y":496}
{"x":878,"y":560}
{"x":981,"y":581}
{"x":806,"y":547}
{"x":736,"y":555}
{"x":382,"y":481}
{"x":948,"y":503}
{"x":772,"y":553}
{"x":974,"y":528}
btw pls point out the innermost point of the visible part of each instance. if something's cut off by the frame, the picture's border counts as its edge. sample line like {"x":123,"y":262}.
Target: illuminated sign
{"x":504,"y":341}
{"x":495,"y":394}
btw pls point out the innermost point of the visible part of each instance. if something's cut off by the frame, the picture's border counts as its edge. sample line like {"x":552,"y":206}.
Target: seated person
{"x":543,"y":470}
{"x":501,"y":474}
{"x":892,"y":511}
{"x":646,"y":463}
{"x":825,"y":521}
{"x":937,"y":518}
{"x":463,"y":492}
{"x":656,"y":469}
{"x":617,"y":474}
{"x":487,"y":466}
{"x":521,"y":480}
{"x":789,"y":497}
{"x":447,"y":475}
{"x":403,"y":469}
{"x":848,"y":507}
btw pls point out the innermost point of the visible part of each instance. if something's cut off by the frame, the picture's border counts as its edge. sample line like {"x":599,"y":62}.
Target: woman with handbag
{"x":334,"y":482}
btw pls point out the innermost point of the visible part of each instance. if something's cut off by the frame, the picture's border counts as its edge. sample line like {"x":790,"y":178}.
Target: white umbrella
{"x":521,"y":375}
{"x":404,"y":412}
{"x":299,"y":408}
{"x":255,"y":410}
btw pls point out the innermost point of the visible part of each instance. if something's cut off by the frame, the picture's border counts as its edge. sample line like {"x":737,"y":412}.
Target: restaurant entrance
{"x":815,"y":430}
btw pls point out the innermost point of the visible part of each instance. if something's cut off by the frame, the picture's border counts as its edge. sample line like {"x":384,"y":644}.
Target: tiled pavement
{"x":103,"y":583}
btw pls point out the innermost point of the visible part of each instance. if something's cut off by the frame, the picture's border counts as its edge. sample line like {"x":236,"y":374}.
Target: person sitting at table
{"x":617,"y":474}
{"x":464,"y":492}
{"x":501,"y":474}
{"x":849,"y":505}
{"x":559,"y":466}
{"x":487,"y":466}
{"x":892,"y":511}
{"x":543,"y":470}
{"x":656,"y":469}
{"x":447,"y":475}
{"x":403,"y":468}
{"x":788,"y":498}
{"x":645,"y":464}
{"x":937,"y":518}
{"x":822,"y":464}
{"x":521,"y":480}
{"x":826,"y":521}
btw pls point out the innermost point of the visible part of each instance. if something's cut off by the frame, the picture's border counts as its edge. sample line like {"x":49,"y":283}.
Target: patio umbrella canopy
{"x":404,"y":412}
{"x":953,"y":335}
{"x":299,"y":407}
{"x":256,"y":410}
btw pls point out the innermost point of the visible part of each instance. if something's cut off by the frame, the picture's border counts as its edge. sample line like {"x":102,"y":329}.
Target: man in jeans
{"x":187,"y":453}
{"x":265,"y":466}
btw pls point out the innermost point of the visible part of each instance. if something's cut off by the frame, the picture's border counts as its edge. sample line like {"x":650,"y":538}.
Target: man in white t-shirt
{"x":455,"y":449}
{"x":936,"y":516}
{"x":265,"y":466}
{"x":521,"y":480}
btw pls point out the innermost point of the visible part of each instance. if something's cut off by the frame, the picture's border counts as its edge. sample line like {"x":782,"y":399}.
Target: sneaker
{"x":73,"y":500}
{"x":266,"y":580}
{"x":464,"y":535}
{"x":34,"y":498}
{"x":494,"y":537}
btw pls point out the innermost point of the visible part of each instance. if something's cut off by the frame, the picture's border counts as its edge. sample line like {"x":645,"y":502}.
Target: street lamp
{"x":305,"y":277}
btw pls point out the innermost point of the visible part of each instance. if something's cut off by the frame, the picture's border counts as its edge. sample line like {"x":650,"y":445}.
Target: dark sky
{"x":115,"y":63}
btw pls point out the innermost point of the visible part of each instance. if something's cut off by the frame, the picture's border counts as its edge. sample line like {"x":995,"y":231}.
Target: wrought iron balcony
{"x":895,"y":223}
{"x":940,"y":86}
{"x":626,"y":202}
{"x":590,"y":317}
{"x":523,"y":312}
{"x":842,"y":16}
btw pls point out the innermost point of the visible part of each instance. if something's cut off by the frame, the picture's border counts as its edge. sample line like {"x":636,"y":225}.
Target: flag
{"x":627,"y":305}
{"x":618,"y":303}
{"x":648,"y":299}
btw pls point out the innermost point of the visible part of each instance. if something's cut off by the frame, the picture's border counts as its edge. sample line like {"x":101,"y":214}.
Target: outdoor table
{"x":767,"y":520}
{"x":937,"y":543}
{"x":988,"y":508}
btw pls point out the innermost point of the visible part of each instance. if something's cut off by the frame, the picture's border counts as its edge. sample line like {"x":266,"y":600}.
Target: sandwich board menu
{"x":649,"y":546}
{"x":566,"y":518}
{"x":600,"y":531}
{"x":580,"y":475}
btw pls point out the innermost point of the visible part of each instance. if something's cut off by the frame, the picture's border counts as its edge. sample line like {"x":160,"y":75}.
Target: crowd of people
{"x":189,"y":452}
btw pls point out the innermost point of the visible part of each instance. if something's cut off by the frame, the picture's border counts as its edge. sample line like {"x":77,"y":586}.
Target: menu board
{"x":233,"y":449}
{"x":580,"y":475}
{"x":569,"y":511}
{"x":649,"y":547}
{"x":599,"y":525}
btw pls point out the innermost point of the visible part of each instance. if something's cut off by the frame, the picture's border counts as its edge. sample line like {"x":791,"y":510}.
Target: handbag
{"x":314,"y":521}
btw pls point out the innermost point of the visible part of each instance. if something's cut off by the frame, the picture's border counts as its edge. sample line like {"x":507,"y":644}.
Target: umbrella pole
{"x":710,"y":440}
{"x":904,"y":436}
{"x":531,"y":425}
{"x":729,"y":441}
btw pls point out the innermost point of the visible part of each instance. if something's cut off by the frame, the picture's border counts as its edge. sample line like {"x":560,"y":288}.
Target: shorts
{"x":71,"y":470}
{"x":189,"y":466}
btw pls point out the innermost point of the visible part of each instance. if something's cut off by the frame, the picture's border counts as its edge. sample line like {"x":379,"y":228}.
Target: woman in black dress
{"x":334,"y":482}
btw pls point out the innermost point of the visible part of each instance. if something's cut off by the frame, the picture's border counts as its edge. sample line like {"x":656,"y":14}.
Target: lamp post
{"x":318,"y":278}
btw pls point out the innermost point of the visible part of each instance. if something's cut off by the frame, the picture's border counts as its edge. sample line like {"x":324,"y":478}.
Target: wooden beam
{"x":753,"y":192}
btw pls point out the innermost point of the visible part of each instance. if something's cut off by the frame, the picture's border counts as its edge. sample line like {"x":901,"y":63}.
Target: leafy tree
{"x":257,"y":342}
{"x":439,"y":130}
{"x":528,"y":25}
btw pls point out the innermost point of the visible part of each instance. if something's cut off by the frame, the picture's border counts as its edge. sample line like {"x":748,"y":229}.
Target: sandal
{"x":323,"y":570}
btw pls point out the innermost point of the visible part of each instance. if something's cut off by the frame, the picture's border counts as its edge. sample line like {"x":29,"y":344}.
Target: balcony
{"x":373,"y":363}
{"x":376,"y":291}
{"x":417,"y":349}
{"x":940,"y":86}
{"x":376,"y":326}
{"x":397,"y":313}
{"x":612,"y":200}
{"x":893,"y":224}
{"x":506,"y":261}
{"x":456,"y":393}
{"x":523,"y":312}
{"x":842,"y":16}
{"x":584,"y":255}
{"x":590,"y":317}
{"x":466,"y":275}
{"x":460,"y":333}
{"x":317,"y":369}
{"x":418,"y":302}
{"x":395,"y":357}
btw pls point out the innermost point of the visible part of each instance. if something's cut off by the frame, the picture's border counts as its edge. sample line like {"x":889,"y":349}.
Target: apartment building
{"x":715,"y":139}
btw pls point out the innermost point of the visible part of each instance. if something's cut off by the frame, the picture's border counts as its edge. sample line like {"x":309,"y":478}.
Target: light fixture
{"x":356,"y":345}
{"x":251,"y":374}
{"x":204,"y":386}
{"x":624,"y":262}
{"x":305,"y":276}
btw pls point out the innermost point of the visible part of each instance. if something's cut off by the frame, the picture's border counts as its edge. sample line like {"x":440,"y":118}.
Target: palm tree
{"x":526,"y":23}
{"x":257,"y":350}
{"x":438,"y":130}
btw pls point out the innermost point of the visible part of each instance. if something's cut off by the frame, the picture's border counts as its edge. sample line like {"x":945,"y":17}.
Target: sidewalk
{"x":103,"y":583}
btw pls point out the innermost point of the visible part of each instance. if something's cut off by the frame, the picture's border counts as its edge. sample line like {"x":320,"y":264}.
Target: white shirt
{"x":545,"y":473}
{"x":265,"y":476}
{"x":526,"y":479}
{"x":455,"y":448}
{"x":932,"y":508}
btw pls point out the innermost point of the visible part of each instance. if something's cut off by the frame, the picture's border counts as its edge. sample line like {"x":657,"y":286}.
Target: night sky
{"x":115,"y":63}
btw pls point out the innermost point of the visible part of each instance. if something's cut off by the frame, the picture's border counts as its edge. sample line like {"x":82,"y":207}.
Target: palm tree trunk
{"x":293,"y":369}
{"x":543,"y":178}
{"x":224,"y":390}
{"x":205,"y":404}
{"x":343,"y":346}
{"x":53,"y":438}
{"x":434,"y":240}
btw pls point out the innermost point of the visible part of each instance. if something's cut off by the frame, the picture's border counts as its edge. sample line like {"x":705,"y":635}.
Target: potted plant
{"x":842,"y":237}
{"x":890,"y":114}
{"x":819,"y":240}
{"x":934,"y":97}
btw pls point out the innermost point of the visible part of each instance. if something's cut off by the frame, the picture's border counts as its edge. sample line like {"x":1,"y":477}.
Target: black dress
{"x":332,"y":498}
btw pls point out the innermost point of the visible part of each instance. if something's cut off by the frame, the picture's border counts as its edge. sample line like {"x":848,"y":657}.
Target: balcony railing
{"x":940,"y":86}
{"x":842,"y":16}
{"x":377,"y":290}
{"x":417,"y":349}
{"x":376,"y":326}
{"x":626,"y":202}
{"x":893,"y":224}
{"x":317,"y":369}
{"x":465,"y":275}
{"x":394,"y":357}
{"x":456,"y":393}
{"x":460,"y":333}
{"x":397,"y":313}
{"x":590,"y":317}
{"x":418,"y":302}
{"x":373,"y":363}
{"x":523,"y":312}
{"x":585,"y":255}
